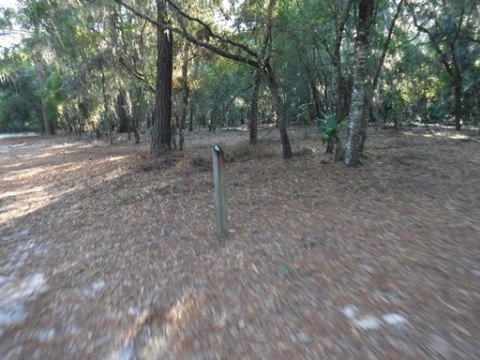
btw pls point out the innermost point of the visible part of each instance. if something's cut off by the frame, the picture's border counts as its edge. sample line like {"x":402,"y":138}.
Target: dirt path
{"x":108,"y":254}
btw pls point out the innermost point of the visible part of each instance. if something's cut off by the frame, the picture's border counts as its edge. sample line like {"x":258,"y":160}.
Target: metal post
{"x":220,"y":199}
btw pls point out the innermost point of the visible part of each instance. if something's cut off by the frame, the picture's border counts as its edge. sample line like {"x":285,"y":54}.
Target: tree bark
{"x":107,"y":121}
{"x":190,"y":119}
{"x":357,"y":107}
{"x":457,"y":86}
{"x":161,"y":135}
{"x":123,"y":118}
{"x":314,"y":93}
{"x":278,"y":112}
{"x":183,"y":116}
{"x":253,"y":108}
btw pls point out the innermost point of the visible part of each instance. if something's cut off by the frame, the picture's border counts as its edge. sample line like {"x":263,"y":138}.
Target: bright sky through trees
{"x":8,"y":39}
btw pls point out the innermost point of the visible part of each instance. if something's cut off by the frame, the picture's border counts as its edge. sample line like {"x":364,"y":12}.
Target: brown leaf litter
{"x":107,"y":253}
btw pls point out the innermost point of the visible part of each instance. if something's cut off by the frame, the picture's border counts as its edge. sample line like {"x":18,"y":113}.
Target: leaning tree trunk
{"x":357,"y":107}
{"x":161,"y":135}
{"x":279,"y":114}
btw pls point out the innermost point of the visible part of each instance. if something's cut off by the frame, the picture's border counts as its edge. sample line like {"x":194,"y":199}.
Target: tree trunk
{"x":336,"y":102}
{"x":357,"y":107}
{"x":278,"y":113}
{"x":106,"y":118}
{"x":138,"y":111}
{"x":258,"y":74}
{"x":252,"y":110}
{"x":161,"y":135}
{"x":183,"y":116}
{"x":314,"y":95}
{"x":457,"y":85}
{"x":376,"y":77}
{"x":190,"y":119}
{"x":386,"y":46}
{"x":123,"y":118}
{"x":40,"y":70}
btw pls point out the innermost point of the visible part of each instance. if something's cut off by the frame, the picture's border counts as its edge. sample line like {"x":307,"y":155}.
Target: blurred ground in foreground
{"x":108,"y":254}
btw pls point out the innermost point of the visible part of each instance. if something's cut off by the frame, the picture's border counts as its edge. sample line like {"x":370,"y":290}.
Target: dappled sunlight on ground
{"x":447,"y":135}
{"x":55,"y":163}
{"x":25,"y":174}
{"x":29,"y":199}
{"x":20,"y":203}
{"x":441,"y":132}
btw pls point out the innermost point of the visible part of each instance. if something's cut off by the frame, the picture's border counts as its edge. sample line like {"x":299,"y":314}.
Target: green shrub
{"x":329,"y":128}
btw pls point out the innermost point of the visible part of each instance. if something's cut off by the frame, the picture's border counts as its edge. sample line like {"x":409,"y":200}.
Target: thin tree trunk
{"x":457,"y":85}
{"x":192,"y":103}
{"x":278,"y":113}
{"x":138,"y":111}
{"x":386,"y":46}
{"x":161,"y":140}
{"x":106,"y":117}
{"x":253,"y":108}
{"x":357,"y":108}
{"x":378,"y":71}
{"x":258,"y":74}
{"x":183,"y":116}
{"x":314,"y":96}
{"x":40,"y":70}
{"x":190,"y":120}
{"x":123,"y":120}
{"x":313,"y":89}
{"x":477,"y":88}
{"x":266,"y":67}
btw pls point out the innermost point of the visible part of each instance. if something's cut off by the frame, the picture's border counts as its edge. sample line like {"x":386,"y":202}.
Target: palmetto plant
{"x":329,"y":128}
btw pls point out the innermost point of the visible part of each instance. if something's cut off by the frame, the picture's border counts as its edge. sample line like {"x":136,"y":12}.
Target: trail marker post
{"x":220,"y":199}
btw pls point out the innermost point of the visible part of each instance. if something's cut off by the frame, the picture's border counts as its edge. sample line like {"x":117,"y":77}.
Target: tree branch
{"x":443,"y":56}
{"x":137,"y":74}
{"x":385,"y":47}
{"x":209,"y":29}
{"x":183,"y":33}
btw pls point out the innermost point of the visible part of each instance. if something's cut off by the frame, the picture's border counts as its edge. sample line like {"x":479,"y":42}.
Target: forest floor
{"x":106,"y":253}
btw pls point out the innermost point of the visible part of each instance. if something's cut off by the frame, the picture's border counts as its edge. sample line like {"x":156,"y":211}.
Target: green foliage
{"x":19,"y":113}
{"x":329,"y":128}
{"x":303,"y":113}
{"x":218,"y":91}
{"x":92,"y":49}
{"x":20,"y":106}
{"x":55,"y":95}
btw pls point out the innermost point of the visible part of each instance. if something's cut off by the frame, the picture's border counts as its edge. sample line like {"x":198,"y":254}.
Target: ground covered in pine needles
{"x":107,"y":253}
